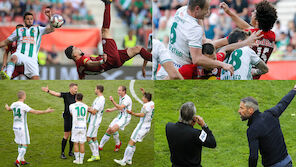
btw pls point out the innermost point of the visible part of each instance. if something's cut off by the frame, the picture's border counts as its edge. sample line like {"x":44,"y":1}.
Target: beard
{"x":243,"y":118}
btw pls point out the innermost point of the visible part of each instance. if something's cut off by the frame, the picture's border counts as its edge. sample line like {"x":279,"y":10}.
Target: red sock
{"x":146,"y":55}
{"x":107,"y":18}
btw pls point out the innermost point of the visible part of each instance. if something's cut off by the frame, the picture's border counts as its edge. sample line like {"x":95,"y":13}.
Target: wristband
{"x":48,"y":91}
{"x":205,"y":126}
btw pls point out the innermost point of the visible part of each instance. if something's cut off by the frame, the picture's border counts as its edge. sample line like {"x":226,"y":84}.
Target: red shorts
{"x":18,"y":70}
{"x":115,"y":57}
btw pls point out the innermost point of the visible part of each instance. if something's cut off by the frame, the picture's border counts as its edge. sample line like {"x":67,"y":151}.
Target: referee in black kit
{"x":69,"y":98}
{"x":185,"y":142}
{"x":264,"y":132}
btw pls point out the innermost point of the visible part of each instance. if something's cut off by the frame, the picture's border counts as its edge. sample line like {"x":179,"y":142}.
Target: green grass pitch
{"x":46,"y":131}
{"x":217,"y":102}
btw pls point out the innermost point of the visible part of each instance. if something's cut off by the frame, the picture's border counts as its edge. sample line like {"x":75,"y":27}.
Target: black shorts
{"x":67,"y":124}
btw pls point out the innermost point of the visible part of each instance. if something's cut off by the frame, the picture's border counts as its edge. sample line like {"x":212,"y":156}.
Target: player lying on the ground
{"x":94,"y":121}
{"x":113,"y":58}
{"x":242,"y":60}
{"x":161,"y":56}
{"x":141,"y":130}
{"x":78,"y":111}
{"x":263,"y":18}
{"x":20,"y":126}
{"x":121,"y":121}
{"x":191,"y":71}
{"x":11,"y":48}
{"x":28,"y":43}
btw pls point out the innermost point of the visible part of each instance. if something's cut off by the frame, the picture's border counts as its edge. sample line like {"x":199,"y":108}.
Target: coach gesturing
{"x":185,"y":142}
{"x":264,"y":132}
{"x":69,"y":98}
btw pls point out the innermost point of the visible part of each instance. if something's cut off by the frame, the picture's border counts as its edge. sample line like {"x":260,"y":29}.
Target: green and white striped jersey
{"x":242,"y":60}
{"x":185,"y":33}
{"x":20,"y":110}
{"x":28,"y":40}
{"x":98,"y":104}
{"x":127,"y":102}
{"x":148,"y":110}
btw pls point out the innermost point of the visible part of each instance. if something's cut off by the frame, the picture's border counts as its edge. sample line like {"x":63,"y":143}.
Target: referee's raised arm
{"x":46,"y":89}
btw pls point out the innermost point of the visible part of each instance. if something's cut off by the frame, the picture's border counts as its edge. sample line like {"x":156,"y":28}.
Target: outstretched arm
{"x":248,"y":42}
{"x":237,"y":20}
{"x":283,"y":104}
{"x":41,"y":111}
{"x":46,"y":89}
{"x":91,"y":64}
{"x":136,"y":114}
{"x":7,"y":107}
{"x":49,"y":28}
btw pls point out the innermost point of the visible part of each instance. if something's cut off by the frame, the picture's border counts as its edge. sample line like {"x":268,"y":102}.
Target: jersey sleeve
{"x":99,"y":105}
{"x":13,"y":36}
{"x":255,"y":59}
{"x":63,"y":94}
{"x":42,"y":30}
{"x":126,"y":102}
{"x":220,"y":56}
{"x":70,"y":109}
{"x":194,"y":36}
{"x":27,"y":108}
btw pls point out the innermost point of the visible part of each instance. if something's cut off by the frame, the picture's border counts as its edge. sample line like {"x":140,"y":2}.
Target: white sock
{"x":81,"y":157}
{"x":23,"y":151}
{"x":10,"y":68}
{"x":19,"y":153}
{"x":116,"y":138}
{"x":132,"y":153}
{"x":127,"y":152}
{"x":96,"y":148}
{"x":92,"y":147}
{"x":104,"y":140}
{"x":76,"y":155}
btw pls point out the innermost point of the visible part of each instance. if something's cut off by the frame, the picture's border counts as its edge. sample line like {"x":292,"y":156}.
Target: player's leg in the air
{"x":9,"y":69}
{"x":111,"y":131}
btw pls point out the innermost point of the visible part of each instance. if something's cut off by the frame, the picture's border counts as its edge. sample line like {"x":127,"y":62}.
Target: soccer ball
{"x":57,"y":21}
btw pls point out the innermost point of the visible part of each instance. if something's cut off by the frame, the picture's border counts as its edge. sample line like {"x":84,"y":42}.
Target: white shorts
{"x":122,"y":122}
{"x":21,"y":135}
{"x":78,"y":136}
{"x":139,"y":133}
{"x":92,"y":130}
{"x":31,"y":67}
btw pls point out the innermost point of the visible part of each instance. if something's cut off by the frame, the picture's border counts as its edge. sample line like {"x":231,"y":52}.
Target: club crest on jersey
{"x":103,"y":41}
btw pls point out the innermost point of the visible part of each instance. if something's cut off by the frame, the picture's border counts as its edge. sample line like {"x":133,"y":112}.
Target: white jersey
{"x":98,"y":105}
{"x":127,"y":102}
{"x":185,"y":33}
{"x":242,"y":60}
{"x":148,"y":110}
{"x":20,"y":110}
{"x":28,"y":40}
{"x":160,"y":55}
{"x":79,"y":115}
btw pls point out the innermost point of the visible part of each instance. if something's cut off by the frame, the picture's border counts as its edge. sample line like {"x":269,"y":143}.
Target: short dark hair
{"x":68,"y":52}
{"x":236,"y":35}
{"x":207,"y":48}
{"x":101,"y":88}
{"x":79,"y":96}
{"x":148,"y":96}
{"x":26,"y":14}
{"x":123,"y":88}
{"x":73,"y":84}
{"x":19,"y":25}
{"x":266,"y":15}
{"x":193,"y":3}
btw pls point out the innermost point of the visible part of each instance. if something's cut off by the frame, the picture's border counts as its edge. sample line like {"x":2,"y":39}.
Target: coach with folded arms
{"x":264,"y":132}
{"x":185,"y":142}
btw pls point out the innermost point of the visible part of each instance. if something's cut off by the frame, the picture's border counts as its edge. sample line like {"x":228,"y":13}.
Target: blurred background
{"x":219,"y":25}
{"x":131,"y":22}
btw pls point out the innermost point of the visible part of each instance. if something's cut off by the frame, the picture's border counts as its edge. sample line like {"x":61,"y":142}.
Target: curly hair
{"x":266,"y":15}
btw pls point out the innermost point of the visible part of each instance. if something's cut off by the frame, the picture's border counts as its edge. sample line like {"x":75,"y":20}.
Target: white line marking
{"x":131,"y":87}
